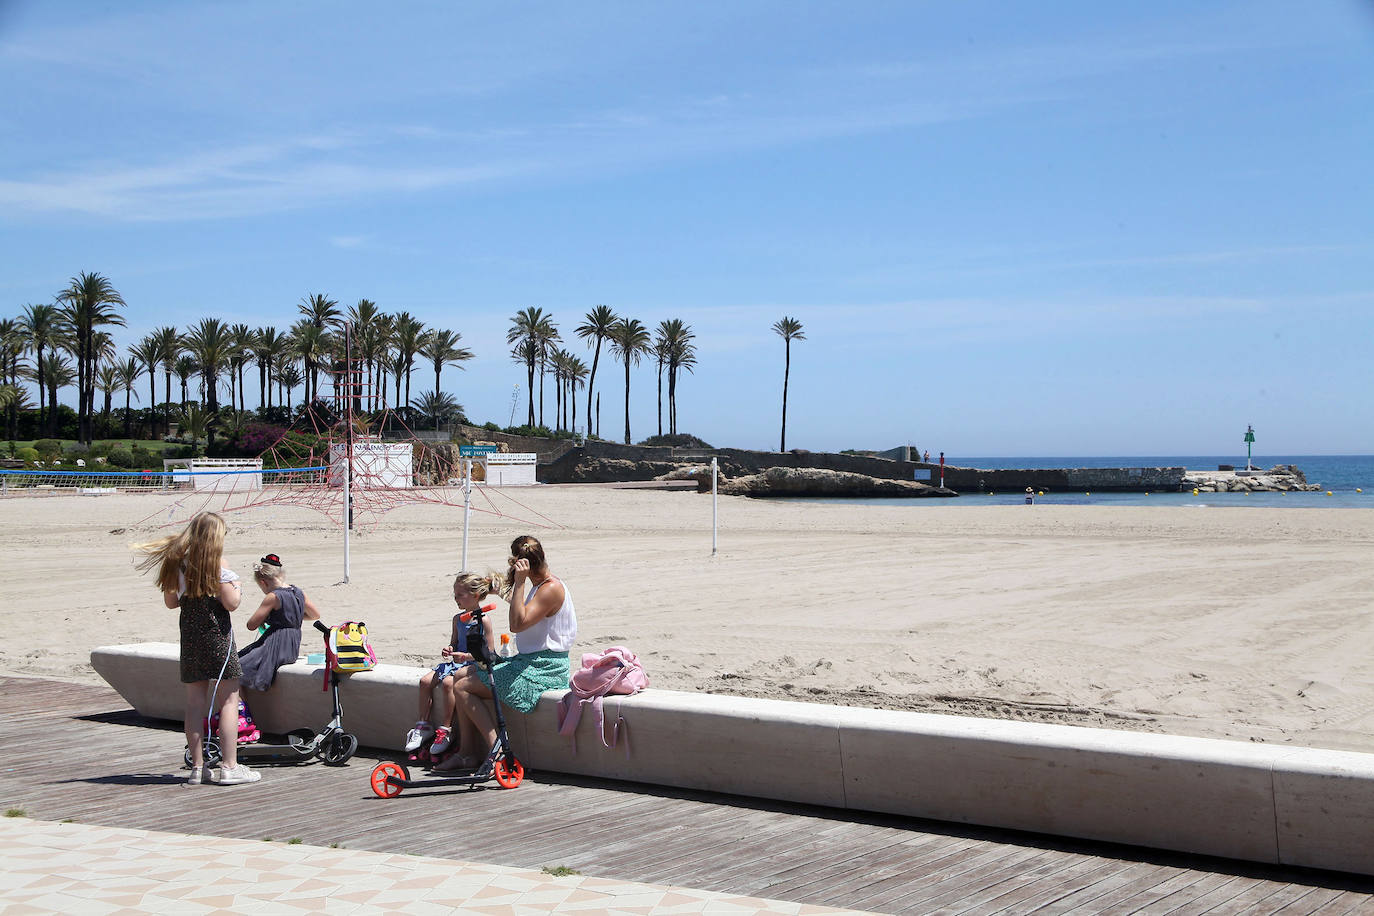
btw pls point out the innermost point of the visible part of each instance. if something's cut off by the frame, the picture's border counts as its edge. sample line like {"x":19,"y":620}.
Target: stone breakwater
{"x":1280,"y":477}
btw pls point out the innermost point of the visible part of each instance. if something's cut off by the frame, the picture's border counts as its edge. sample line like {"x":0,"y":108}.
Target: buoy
{"x":1195,"y":491}
{"x":1087,"y":494}
{"x":1328,"y":492}
{"x":1040,"y":493}
{"x":1358,"y":490}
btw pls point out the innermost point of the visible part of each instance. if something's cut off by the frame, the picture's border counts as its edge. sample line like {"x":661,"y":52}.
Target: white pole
{"x":714,"y":514}
{"x":467,"y":507}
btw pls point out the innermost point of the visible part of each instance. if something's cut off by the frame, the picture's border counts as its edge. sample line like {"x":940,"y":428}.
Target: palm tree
{"x":12,"y":347}
{"x":268,"y":346}
{"x":145,"y":355}
{"x":577,"y":378}
{"x":57,"y":373}
{"x":107,"y":380}
{"x":526,"y":353}
{"x":211,"y":343}
{"x":595,"y":325}
{"x":127,"y":372}
{"x":41,"y":325}
{"x":441,"y":348}
{"x":244,"y":343}
{"x":365,"y":318}
{"x":438,"y":406}
{"x":311,"y":344}
{"x":169,"y":353}
{"x":185,"y":366}
{"x":659,"y":349}
{"x":408,"y":338}
{"x":789,"y":329}
{"x":320,"y":312}
{"x":374,"y":340}
{"x":629,"y":340}
{"x":682,"y":354}
{"x":289,"y":375}
{"x":197,"y":423}
{"x":531,"y":330}
{"x":88,"y":303}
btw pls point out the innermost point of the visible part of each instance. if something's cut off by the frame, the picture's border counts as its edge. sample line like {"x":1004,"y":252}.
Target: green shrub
{"x":143,"y":458}
{"x":678,"y":440}
{"x":491,"y":425}
{"x":121,"y":457}
{"x":26,"y":455}
{"x":48,"y":448}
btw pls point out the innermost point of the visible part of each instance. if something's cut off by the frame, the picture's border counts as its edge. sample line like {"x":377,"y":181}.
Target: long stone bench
{"x":1294,"y":806}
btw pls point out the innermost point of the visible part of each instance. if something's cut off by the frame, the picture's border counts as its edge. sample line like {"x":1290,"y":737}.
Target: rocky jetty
{"x":808,"y":482}
{"x":1279,"y":477}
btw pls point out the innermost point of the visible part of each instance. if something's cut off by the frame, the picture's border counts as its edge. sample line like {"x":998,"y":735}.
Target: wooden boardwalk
{"x":76,"y":751}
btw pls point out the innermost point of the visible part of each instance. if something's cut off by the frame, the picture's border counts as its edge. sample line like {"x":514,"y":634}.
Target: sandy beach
{"x":1250,"y":624}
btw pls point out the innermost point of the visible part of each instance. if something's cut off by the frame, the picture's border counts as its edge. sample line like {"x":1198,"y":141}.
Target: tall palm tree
{"x":407,"y":340}
{"x":168,"y":353}
{"x":789,"y":329}
{"x":629,"y":340}
{"x":374,"y":340}
{"x":57,"y":373}
{"x":596,"y":326}
{"x":12,"y":347}
{"x":534,"y":327}
{"x":321,"y":312}
{"x":659,"y":349}
{"x":127,"y":371}
{"x":577,"y":378}
{"x":145,"y":355}
{"x":311,"y":344}
{"x":88,"y":303}
{"x":42,"y":327}
{"x":268,"y":346}
{"x":682,"y":354}
{"x":244,"y":343}
{"x":364,"y":317}
{"x":211,"y":342}
{"x":441,"y":348}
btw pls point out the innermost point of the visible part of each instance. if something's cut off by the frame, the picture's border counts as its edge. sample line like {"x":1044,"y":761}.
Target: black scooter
{"x":389,"y":777}
{"x":332,"y":744}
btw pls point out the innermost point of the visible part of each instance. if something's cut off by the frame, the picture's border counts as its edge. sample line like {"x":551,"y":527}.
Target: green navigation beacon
{"x":1249,"y":441}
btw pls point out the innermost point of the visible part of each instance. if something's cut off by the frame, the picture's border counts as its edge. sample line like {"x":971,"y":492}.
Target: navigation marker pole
{"x":1249,"y":441}
{"x":714,"y":513}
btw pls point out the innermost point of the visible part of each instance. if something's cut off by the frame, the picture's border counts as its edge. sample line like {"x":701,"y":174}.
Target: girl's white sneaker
{"x":237,"y":775}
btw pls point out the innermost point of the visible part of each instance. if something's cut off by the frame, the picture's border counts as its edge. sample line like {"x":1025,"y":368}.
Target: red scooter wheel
{"x":508,"y":773}
{"x":380,"y":772}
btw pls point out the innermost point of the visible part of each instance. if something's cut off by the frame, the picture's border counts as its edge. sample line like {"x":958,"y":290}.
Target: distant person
{"x":1030,"y":496}
{"x":193,"y":578}
{"x":927,"y":456}
{"x":283,"y":609}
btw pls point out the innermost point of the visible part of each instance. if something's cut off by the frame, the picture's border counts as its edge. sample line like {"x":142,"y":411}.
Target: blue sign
{"x":475,"y":451}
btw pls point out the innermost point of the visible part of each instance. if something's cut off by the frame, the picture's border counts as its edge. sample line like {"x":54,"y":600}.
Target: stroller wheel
{"x":380,"y":772}
{"x":339,"y":748}
{"x":508,"y":772}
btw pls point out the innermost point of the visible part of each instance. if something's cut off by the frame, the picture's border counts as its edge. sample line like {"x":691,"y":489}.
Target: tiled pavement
{"x":70,"y":868}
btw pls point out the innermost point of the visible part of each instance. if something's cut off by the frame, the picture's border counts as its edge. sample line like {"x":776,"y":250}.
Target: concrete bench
{"x":1294,"y":806}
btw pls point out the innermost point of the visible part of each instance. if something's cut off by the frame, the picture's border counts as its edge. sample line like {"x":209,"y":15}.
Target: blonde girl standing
{"x":192,"y":577}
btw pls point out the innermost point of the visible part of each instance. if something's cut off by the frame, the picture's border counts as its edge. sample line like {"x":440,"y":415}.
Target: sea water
{"x":1344,"y":476}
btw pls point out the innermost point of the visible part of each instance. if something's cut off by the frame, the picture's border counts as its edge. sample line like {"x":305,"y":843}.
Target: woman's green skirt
{"x":520,"y":680}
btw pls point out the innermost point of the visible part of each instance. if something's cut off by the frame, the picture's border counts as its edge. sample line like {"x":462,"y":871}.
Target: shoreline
{"x":1246,"y":625}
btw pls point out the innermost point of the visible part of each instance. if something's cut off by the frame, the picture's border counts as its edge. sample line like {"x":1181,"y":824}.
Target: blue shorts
{"x":449,"y":669}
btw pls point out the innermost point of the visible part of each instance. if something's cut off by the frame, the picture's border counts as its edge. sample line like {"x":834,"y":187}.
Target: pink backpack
{"x":614,"y":671}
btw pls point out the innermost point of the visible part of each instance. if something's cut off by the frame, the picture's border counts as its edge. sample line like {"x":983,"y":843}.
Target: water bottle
{"x":507,"y":649}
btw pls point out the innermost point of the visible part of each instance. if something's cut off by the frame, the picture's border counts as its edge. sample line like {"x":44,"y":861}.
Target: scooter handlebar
{"x":319,"y":625}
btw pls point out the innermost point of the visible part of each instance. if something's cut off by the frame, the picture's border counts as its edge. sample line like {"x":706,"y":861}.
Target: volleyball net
{"x":236,"y":479}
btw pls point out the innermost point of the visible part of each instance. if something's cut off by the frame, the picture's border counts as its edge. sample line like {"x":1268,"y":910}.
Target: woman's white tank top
{"x":556,"y":632}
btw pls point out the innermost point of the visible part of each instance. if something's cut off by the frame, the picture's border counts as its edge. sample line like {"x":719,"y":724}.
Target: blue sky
{"x":1007,"y":228}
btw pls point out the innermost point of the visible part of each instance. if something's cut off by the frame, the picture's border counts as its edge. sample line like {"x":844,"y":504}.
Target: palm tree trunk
{"x":627,"y":399}
{"x":672,"y":401}
{"x":530,"y":373}
{"x":660,"y":400}
{"x":591,"y":383}
{"x":787,"y":370}
{"x":152,"y":404}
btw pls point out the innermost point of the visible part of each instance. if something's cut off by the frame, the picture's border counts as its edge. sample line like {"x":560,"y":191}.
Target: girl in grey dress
{"x":284,"y":607}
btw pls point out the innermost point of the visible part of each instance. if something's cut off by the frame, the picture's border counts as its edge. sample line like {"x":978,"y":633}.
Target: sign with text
{"x":476,"y":451}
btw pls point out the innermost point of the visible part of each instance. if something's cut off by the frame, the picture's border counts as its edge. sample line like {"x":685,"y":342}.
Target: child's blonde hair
{"x":266,"y":572}
{"x":196,"y":552}
{"x":479,"y":585}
